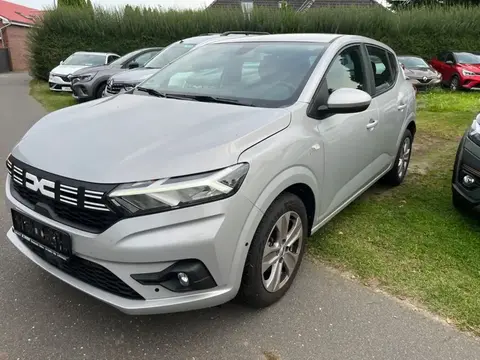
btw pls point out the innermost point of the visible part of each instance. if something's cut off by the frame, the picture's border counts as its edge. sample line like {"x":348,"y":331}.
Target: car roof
{"x":308,"y":37}
{"x":94,"y":53}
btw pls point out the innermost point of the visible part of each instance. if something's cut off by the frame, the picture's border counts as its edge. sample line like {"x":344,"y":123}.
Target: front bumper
{"x":59,"y":83}
{"x":467,"y":162}
{"x":471,"y":82}
{"x":83,"y":90}
{"x":214,"y":233}
{"x":421,"y":84}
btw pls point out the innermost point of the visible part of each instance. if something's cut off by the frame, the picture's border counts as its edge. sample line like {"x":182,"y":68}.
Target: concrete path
{"x":324,"y":316}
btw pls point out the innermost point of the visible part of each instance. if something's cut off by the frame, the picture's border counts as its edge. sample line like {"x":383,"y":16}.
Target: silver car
{"x":195,"y":189}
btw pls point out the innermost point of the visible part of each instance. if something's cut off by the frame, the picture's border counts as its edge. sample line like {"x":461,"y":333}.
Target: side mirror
{"x":347,"y":101}
{"x":61,"y":62}
{"x":133,"y":65}
{"x":449,"y":62}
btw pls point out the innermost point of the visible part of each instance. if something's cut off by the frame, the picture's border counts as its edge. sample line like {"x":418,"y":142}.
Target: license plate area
{"x":49,"y":239}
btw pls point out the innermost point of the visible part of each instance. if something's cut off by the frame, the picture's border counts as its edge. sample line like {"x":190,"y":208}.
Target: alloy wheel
{"x":404,"y":157}
{"x":282,"y":251}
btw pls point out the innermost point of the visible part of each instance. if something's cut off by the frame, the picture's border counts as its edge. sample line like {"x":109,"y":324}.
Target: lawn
{"x":408,"y":241}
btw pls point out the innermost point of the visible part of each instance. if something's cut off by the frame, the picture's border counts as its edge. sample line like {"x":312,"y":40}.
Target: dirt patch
{"x":271,"y":356}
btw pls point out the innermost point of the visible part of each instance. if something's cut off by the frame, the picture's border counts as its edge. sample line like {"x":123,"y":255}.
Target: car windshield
{"x":168,"y":55}
{"x":124,"y":58}
{"x":85,"y":59}
{"x":413,"y":62}
{"x":264,"y":74}
{"x":467,"y":58}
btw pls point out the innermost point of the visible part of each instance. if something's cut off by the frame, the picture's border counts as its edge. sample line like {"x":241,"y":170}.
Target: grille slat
{"x":71,"y":203}
{"x":90,"y":273}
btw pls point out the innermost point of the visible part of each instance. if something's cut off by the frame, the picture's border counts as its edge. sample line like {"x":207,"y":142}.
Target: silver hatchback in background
{"x":205,"y":182}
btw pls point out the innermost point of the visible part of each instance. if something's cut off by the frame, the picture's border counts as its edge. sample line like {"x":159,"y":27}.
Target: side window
{"x":384,"y":78}
{"x":450,"y":58}
{"x":442,"y":57}
{"x":393,"y":65}
{"x":112,"y":58}
{"x":144,"y":58}
{"x":346,"y":71}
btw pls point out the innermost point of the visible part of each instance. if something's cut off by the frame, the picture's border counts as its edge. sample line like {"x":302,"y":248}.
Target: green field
{"x":409,"y":241}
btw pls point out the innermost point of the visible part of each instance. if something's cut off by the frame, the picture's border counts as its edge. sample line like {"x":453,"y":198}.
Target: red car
{"x":460,"y":70}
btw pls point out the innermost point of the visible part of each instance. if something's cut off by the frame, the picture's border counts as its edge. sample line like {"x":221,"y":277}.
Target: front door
{"x":348,"y":140}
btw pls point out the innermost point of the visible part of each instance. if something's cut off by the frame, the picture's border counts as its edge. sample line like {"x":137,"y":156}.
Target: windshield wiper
{"x":152,"y":92}
{"x":208,"y":98}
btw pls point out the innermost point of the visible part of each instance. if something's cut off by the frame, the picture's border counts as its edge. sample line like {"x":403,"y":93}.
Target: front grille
{"x":77,"y":204}
{"x":65,"y":78}
{"x":115,"y":88}
{"x":90,"y":273}
{"x":424,"y":81}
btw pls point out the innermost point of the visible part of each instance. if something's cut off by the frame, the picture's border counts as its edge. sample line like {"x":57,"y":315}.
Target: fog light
{"x":183,"y":278}
{"x":468,"y":180}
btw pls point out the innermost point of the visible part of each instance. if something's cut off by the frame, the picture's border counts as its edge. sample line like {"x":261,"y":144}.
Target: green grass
{"x":50,"y":100}
{"x":409,"y":240}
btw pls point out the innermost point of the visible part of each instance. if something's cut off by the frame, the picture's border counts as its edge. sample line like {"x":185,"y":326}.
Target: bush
{"x":421,"y":31}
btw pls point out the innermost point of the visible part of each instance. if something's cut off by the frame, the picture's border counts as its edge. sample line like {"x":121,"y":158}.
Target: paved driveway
{"x":323,"y":316}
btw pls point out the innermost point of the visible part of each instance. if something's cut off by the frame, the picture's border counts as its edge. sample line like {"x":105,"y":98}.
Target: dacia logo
{"x":40,"y":185}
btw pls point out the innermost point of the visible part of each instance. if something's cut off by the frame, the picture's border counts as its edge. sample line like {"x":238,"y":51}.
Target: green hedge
{"x":422,"y":31}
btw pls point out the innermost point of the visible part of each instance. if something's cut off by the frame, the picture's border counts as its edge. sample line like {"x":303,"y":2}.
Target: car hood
{"x":65,"y":70}
{"x":134,"y":76}
{"x":420,"y":72}
{"x":128,"y":138}
{"x":90,"y":69}
{"x":470,"y":67}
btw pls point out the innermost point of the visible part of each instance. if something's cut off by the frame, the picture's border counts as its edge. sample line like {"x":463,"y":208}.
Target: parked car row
{"x":454,"y":69}
{"x":202,"y":183}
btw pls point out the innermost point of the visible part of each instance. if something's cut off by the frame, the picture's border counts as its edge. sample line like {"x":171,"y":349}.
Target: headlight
{"x":174,"y":193}
{"x":438,"y":75}
{"x":86,"y":77}
{"x":474,"y":133}
{"x":468,"y":73}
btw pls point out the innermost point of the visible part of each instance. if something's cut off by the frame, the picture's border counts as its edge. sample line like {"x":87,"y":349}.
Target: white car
{"x":59,"y":80}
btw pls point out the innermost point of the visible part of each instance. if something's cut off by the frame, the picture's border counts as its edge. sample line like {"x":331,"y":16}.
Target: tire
{"x":454,"y":83}
{"x":258,"y":288}
{"x":100,"y":89}
{"x":395,"y":177}
{"x":461,"y":203}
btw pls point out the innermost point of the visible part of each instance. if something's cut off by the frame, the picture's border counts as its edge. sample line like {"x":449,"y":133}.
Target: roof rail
{"x":205,"y":34}
{"x":226,"y":33}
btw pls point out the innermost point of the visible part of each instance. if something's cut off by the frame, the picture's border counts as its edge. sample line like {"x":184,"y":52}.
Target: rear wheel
{"x":397,"y":174}
{"x":276,"y":252}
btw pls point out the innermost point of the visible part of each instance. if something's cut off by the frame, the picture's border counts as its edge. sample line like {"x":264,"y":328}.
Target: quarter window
{"x":346,"y":71}
{"x":384,"y":78}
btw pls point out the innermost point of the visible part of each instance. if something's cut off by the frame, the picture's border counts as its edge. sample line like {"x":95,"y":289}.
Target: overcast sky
{"x":39,"y":4}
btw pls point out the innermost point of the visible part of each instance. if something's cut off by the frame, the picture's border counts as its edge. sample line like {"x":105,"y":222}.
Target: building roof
{"x":299,"y":5}
{"x":17,"y":14}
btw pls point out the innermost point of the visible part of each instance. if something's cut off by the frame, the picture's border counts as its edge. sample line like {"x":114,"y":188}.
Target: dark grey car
{"x":89,"y":83}
{"x":420,"y":74}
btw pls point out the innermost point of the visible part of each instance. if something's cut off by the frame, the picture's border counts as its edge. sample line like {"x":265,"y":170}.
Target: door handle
{"x":371,"y":124}
{"x":401,"y":107}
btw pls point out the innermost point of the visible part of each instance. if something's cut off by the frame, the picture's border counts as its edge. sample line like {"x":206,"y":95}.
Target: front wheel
{"x":100,"y":90}
{"x":397,"y":174}
{"x":276,"y":252}
{"x":455,"y":83}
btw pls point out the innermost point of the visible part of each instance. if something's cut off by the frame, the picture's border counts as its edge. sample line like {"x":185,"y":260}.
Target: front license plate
{"x":43,"y":236}
{"x":66,"y":88}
